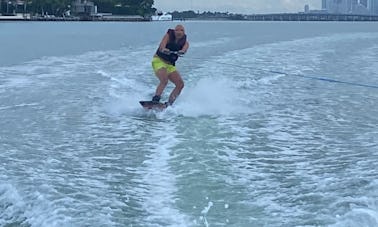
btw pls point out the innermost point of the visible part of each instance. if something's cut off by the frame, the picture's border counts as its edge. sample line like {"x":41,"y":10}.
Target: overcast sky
{"x":237,"y":6}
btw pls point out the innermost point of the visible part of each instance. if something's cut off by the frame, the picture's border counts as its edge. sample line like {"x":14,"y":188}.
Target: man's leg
{"x":162,"y":75}
{"x":175,"y":78}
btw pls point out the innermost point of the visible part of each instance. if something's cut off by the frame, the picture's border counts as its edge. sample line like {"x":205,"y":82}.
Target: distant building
{"x":160,"y":16}
{"x":373,"y":6}
{"x":83,"y":7}
{"x":360,"y":9}
{"x":324,"y":4}
{"x":364,"y":3}
{"x":364,"y":7}
{"x":338,"y":6}
{"x":12,"y":7}
{"x":306,"y":8}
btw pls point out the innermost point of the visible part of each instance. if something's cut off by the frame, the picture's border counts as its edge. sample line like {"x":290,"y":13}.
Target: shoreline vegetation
{"x":143,"y":10}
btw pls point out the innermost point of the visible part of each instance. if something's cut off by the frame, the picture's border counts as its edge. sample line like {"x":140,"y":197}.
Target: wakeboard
{"x":150,"y":105}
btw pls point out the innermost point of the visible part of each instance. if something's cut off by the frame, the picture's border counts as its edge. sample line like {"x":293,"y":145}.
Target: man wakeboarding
{"x":173,"y":45}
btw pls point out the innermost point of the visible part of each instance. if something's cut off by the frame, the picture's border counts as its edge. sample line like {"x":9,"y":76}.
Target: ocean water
{"x":277,"y":126}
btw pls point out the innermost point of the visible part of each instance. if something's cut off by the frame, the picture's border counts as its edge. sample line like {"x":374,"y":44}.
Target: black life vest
{"x":172,"y":46}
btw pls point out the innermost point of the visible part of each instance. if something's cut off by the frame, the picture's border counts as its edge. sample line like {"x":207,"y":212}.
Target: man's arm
{"x":163,"y":43}
{"x":185,"y":47}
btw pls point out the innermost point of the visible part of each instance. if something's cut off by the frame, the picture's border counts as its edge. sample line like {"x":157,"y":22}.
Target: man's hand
{"x":166,"y":51}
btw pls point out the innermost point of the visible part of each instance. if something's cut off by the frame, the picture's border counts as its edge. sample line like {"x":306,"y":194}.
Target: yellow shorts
{"x":157,"y":64}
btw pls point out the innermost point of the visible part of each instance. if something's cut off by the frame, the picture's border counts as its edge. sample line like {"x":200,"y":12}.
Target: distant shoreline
{"x":256,"y":17}
{"x":71,"y":19}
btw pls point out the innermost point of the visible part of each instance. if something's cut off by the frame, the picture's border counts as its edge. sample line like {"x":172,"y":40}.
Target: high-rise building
{"x":361,"y":7}
{"x":364,"y":3}
{"x":338,"y":6}
{"x":373,"y":6}
{"x":351,"y":6}
{"x":307,"y":8}
{"x":324,"y":4}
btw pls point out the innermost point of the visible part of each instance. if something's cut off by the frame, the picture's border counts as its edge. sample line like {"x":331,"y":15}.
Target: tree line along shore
{"x":137,"y":10}
{"x":76,"y":8}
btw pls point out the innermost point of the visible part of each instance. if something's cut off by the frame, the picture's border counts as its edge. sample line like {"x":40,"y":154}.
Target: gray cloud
{"x":237,"y":6}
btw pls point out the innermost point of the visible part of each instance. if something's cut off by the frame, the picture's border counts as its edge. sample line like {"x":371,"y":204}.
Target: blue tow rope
{"x":326,"y":79}
{"x":330,"y":80}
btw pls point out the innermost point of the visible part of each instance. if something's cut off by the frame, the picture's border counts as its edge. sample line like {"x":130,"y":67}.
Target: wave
{"x":29,"y":209}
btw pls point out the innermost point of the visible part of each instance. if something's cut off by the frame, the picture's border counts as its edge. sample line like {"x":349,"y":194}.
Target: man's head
{"x":179,"y":31}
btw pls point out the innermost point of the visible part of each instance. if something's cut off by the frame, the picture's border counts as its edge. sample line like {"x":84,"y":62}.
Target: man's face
{"x":179,"y":31}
